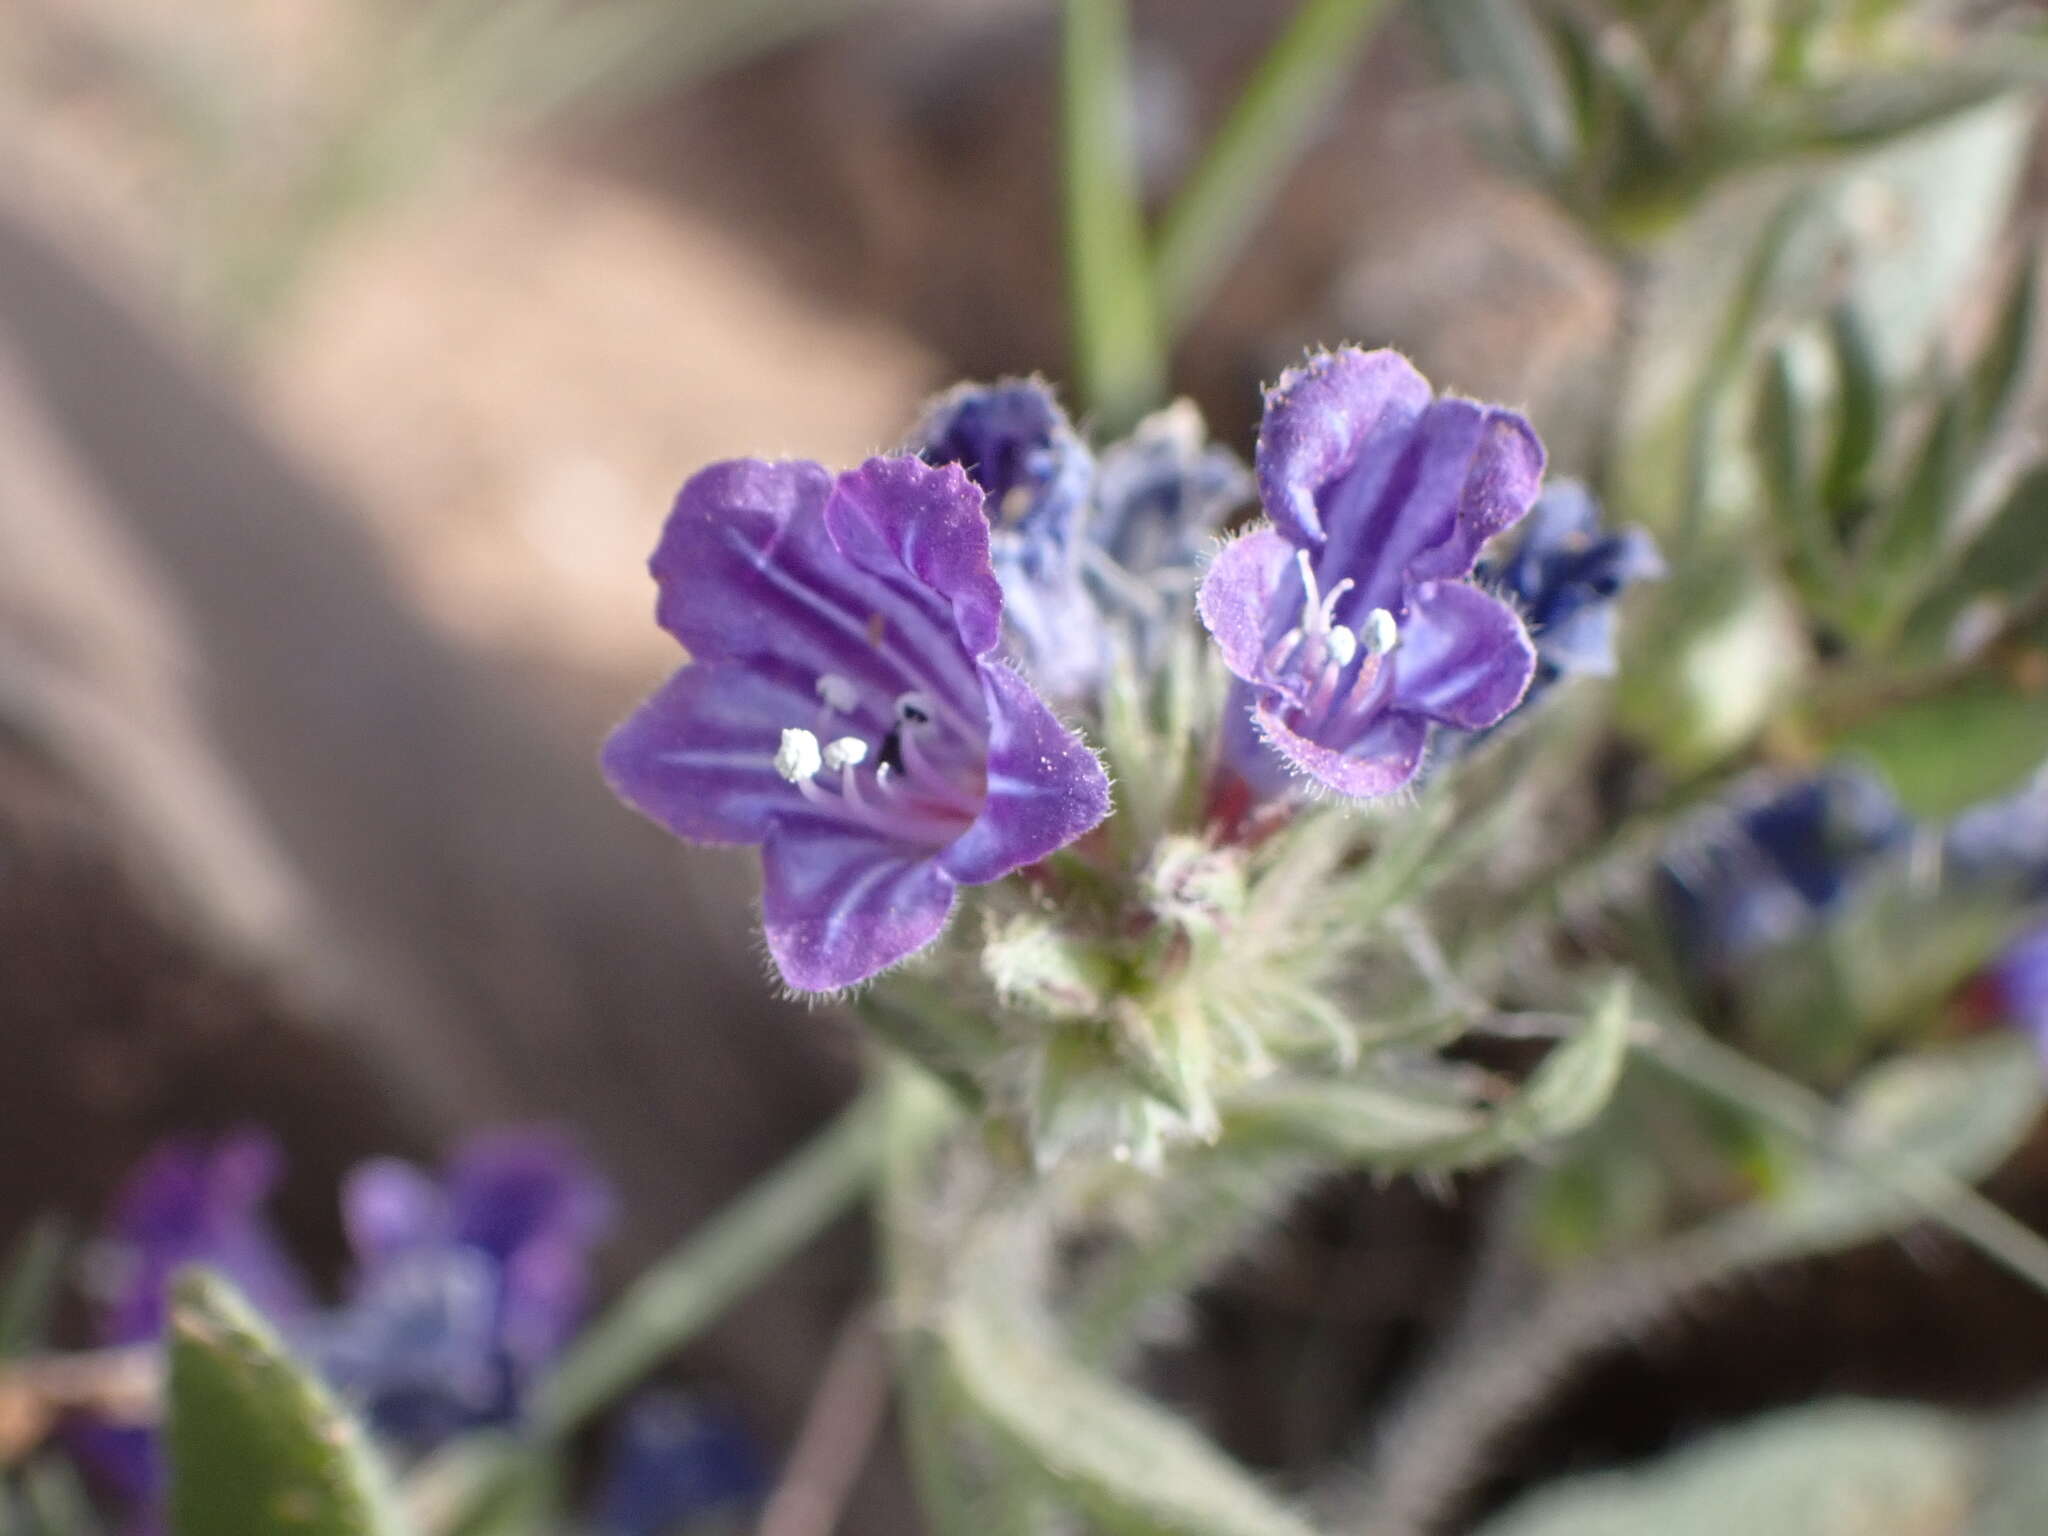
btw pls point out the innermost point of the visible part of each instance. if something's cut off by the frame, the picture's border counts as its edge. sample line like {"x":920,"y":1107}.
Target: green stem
{"x":686,"y":1291}
{"x":1937,"y":1195}
{"x":1117,"y":349}
{"x":1288,"y":96}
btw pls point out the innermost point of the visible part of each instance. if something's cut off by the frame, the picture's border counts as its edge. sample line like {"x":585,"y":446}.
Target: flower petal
{"x":839,"y":904}
{"x":1321,"y":420}
{"x":1379,"y":760}
{"x":1238,"y":597}
{"x":1045,"y":787}
{"x":920,"y":528}
{"x":749,"y":572}
{"x":698,"y":756}
{"x":1419,"y":505}
{"x":1464,"y":658}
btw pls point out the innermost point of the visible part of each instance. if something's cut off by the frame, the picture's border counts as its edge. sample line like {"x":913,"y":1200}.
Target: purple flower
{"x":1346,"y":620}
{"x":188,"y":1202}
{"x":1566,"y":574}
{"x":1036,"y":477}
{"x":1162,"y":493}
{"x":843,"y":708}
{"x":1759,"y":874}
{"x":2019,"y":984}
{"x":670,"y":1463}
{"x":468,"y":1286}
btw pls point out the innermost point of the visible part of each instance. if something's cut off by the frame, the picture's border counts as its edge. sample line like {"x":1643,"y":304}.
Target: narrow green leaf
{"x":1498,"y":41}
{"x":1906,"y":542}
{"x":34,"y":1269}
{"x":1859,"y":417}
{"x":1832,"y":1467}
{"x":1999,"y":373}
{"x":1121,"y":1458}
{"x":1949,"y":750}
{"x":1780,"y":436}
{"x":1575,"y":1080}
{"x":257,"y":1447}
{"x":686,"y":1291}
{"x":1287,"y":99}
{"x":1118,"y":352}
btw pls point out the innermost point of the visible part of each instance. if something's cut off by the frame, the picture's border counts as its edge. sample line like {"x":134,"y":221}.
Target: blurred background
{"x":350,"y":354}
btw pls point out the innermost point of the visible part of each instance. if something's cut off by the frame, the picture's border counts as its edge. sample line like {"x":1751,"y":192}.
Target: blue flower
{"x":1347,"y":620}
{"x":1566,"y":574}
{"x":844,"y":708}
{"x":671,"y":1462}
{"x":467,"y":1287}
{"x":1162,"y":494}
{"x":1760,"y":873}
{"x":1036,"y":477}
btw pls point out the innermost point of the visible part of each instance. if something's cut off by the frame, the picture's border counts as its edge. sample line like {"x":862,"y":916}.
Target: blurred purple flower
{"x":1758,"y":874}
{"x":1566,"y":574}
{"x":1036,"y":477}
{"x":1347,"y":619}
{"x":187,"y":1202}
{"x":467,"y":1287}
{"x":2018,"y":982}
{"x":842,"y":708}
{"x":670,"y":1463}
{"x":1162,"y":494}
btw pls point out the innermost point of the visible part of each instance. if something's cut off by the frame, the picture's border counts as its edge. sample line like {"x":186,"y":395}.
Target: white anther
{"x":846,"y":752}
{"x":837,"y":693}
{"x":798,"y":759}
{"x":1379,"y":632}
{"x":1343,"y":646}
{"x":913,"y":709}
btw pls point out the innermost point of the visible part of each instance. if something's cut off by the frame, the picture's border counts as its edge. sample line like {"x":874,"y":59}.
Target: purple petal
{"x":748,"y":572}
{"x":1237,"y":598}
{"x":1463,"y":659}
{"x":921,"y":525}
{"x":1419,"y":505}
{"x":839,"y":904}
{"x":1321,"y":418}
{"x":509,"y":1190}
{"x":389,"y":1206}
{"x":1379,"y":760}
{"x":1045,"y":787}
{"x":698,"y":756}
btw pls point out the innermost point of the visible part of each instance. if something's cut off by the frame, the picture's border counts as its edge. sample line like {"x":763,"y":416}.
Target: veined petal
{"x":1045,"y":787}
{"x":1240,"y":595}
{"x":1321,"y":420}
{"x":921,"y":527}
{"x":1379,"y":759}
{"x":698,"y":756}
{"x":1418,"y":504}
{"x":749,"y":572}
{"x":1464,"y":658}
{"x":839,"y":904}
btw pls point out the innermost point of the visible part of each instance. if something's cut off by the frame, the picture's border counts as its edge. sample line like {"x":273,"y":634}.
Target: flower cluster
{"x":875,"y":656}
{"x":464,"y":1289}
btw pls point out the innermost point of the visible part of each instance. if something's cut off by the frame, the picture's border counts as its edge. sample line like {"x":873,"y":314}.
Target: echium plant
{"x":876,"y":658}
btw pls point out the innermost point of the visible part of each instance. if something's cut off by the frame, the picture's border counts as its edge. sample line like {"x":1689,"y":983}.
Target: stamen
{"x":913,"y":709}
{"x":846,"y":752}
{"x":1343,"y":645}
{"x":797,"y":759}
{"x":1283,"y":649}
{"x":839,"y":695}
{"x":1314,"y":602}
{"x":1327,"y":611}
{"x":1378,"y":633}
